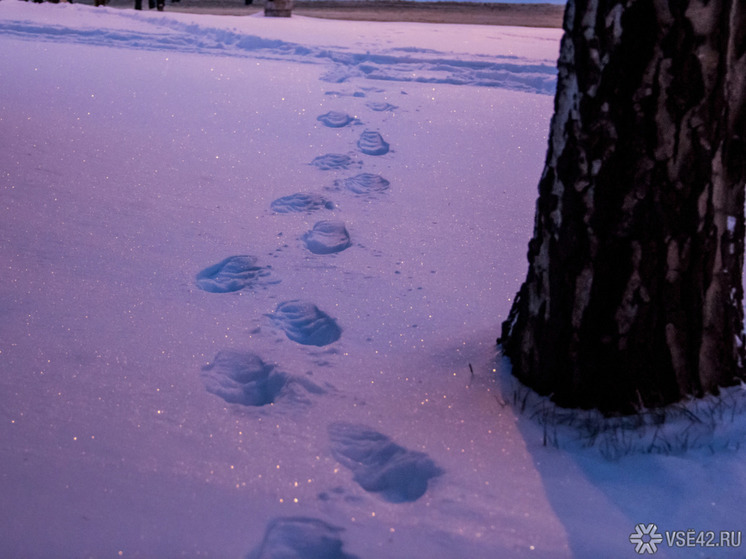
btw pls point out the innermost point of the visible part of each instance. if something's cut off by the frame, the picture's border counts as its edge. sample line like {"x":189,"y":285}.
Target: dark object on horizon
{"x":278,"y":8}
{"x":151,"y":4}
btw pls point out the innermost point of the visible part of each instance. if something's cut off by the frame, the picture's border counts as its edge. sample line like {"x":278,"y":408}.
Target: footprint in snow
{"x":379,"y":465}
{"x":241,"y":377}
{"x":336,"y":119}
{"x":334,"y":161}
{"x":372,"y":143}
{"x":300,"y":538}
{"x":233,"y":274}
{"x":304,"y":323}
{"x":327,"y":237}
{"x":301,"y":202}
{"x":364,"y":183}
{"x":380,"y":107}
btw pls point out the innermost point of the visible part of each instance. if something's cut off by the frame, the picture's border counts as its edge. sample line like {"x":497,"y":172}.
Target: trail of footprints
{"x":377,"y":464}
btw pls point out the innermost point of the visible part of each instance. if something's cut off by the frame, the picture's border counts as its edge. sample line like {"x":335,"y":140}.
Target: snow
{"x":731,"y":223}
{"x":228,"y":329}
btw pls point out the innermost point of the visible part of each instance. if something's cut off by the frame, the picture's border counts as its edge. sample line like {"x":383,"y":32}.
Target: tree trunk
{"x":634,"y":293}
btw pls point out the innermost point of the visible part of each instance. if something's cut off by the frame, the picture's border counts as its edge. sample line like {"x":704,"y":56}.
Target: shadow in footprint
{"x":336,"y":119}
{"x":233,"y":274}
{"x":300,"y":538}
{"x":381,"y":466}
{"x":300,"y":202}
{"x":334,"y":161}
{"x":364,"y":183}
{"x":241,"y":377}
{"x":372,"y":143}
{"x":327,"y":237}
{"x":304,"y":323}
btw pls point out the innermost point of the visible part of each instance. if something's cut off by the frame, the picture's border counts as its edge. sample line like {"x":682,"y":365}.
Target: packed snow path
{"x":410,"y":64}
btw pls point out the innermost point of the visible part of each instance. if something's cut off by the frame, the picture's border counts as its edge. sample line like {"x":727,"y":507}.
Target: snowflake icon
{"x":645,"y":538}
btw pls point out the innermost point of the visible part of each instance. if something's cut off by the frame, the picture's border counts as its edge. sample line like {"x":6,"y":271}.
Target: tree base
{"x":633,"y":296}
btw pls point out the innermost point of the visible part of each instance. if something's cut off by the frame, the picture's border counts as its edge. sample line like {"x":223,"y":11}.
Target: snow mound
{"x":233,"y":274}
{"x":304,"y":323}
{"x":300,"y":538}
{"x":327,"y":237}
{"x":334,"y":161}
{"x":372,"y":143}
{"x":301,"y":202}
{"x":336,"y":119}
{"x":712,"y":423}
{"x":241,"y":377}
{"x":381,"y":466}
{"x":364,"y":183}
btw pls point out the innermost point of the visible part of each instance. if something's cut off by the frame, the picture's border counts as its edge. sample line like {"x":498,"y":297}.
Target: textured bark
{"x":634,"y":289}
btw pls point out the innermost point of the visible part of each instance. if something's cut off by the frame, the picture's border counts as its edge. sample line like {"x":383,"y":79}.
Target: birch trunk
{"x":633,"y":295}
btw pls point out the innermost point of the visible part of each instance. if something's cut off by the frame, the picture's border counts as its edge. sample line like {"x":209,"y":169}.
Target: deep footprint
{"x":364,"y":183}
{"x":301,"y":202}
{"x":334,"y":161}
{"x":372,"y":143}
{"x":327,"y":237}
{"x":381,"y":466}
{"x":241,"y":377}
{"x":233,"y":274}
{"x":300,"y":538}
{"x":336,"y":119}
{"x":304,"y":323}
{"x":380,"y":107}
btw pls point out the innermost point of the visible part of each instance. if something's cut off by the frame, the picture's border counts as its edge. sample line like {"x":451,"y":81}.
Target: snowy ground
{"x":162,"y":399}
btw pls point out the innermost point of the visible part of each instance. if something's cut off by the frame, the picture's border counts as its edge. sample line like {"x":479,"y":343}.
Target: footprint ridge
{"x":334,"y":161}
{"x":336,"y":119}
{"x":242,"y":377}
{"x":372,"y":143}
{"x":379,"y":465}
{"x":327,"y":237}
{"x":301,"y":202}
{"x":306,"y":324}
{"x":300,"y":537}
{"x":364,"y":183}
{"x":234,"y":274}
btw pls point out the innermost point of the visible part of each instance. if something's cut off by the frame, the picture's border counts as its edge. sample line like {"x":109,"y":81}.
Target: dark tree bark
{"x":634,"y":289}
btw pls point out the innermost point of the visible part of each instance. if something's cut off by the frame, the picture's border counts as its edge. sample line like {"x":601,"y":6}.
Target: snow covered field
{"x":248,"y":268}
